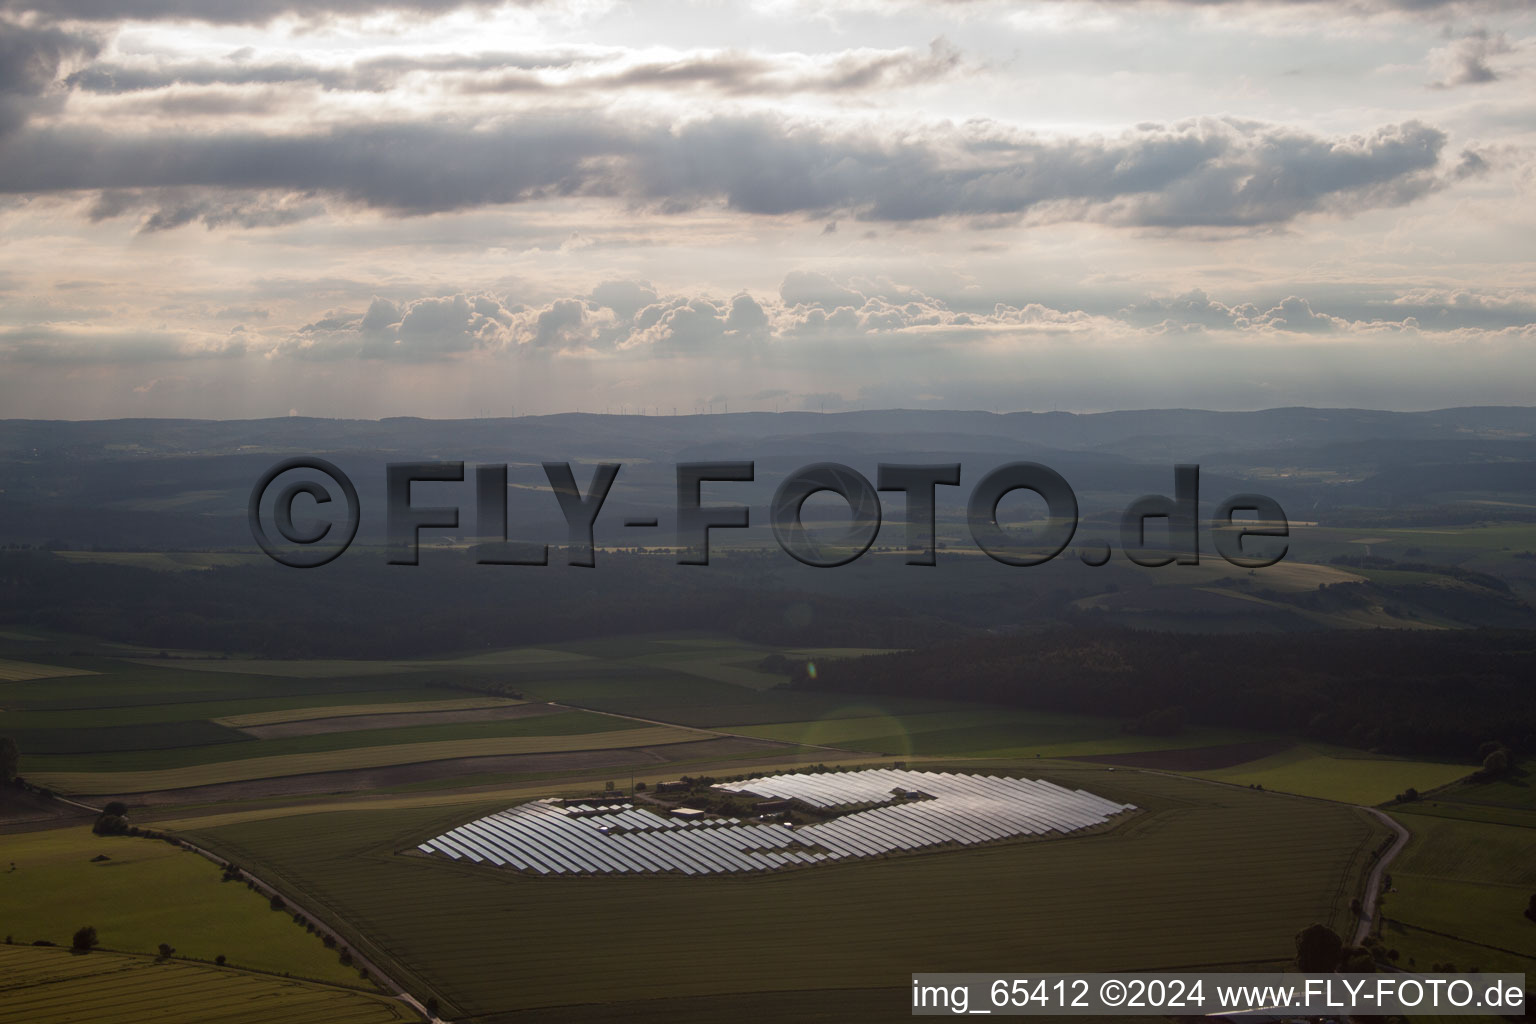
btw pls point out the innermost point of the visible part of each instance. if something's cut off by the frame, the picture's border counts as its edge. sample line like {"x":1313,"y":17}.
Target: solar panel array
{"x":915,"y":810}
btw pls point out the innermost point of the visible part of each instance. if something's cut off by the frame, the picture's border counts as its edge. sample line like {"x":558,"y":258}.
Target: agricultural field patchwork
{"x":1466,"y":877}
{"x":127,"y":780}
{"x":1253,"y":868}
{"x":268,"y":749}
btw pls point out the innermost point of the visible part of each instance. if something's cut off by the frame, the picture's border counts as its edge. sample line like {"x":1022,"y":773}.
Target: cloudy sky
{"x":234,"y":208}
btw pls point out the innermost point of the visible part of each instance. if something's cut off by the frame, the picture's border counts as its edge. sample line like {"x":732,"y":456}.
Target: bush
{"x":219,"y":959}
{"x":84,"y":940}
{"x":166,"y":949}
{"x":110,"y":825}
{"x":116,"y":808}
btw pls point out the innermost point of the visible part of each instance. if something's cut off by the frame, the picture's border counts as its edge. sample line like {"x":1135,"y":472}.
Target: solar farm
{"x":868,"y":814}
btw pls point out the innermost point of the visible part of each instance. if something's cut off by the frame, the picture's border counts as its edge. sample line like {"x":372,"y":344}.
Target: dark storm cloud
{"x":30,"y":60}
{"x":1207,"y":172}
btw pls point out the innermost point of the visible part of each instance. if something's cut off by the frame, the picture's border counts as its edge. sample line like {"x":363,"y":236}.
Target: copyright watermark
{"x":1252,"y":542}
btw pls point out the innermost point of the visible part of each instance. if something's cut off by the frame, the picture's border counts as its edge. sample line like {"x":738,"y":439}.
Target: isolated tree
{"x":166,"y":949}
{"x":85,"y":940}
{"x":10,"y":760}
{"x":110,"y":825}
{"x":1487,"y":747}
{"x":1318,"y":949}
{"x":1496,"y":764}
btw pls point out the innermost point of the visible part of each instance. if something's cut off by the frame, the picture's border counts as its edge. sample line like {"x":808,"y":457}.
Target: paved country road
{"x":1373,"y":884}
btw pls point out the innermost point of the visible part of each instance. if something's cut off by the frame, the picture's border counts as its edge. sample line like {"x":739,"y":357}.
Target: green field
{"x":51,"y":986}
{"x":1309,"y":771}
{"x":1208,"y":876}
{"x":147,"y":893}
{"x":1466,"y":876}
{"x":1462,"y":888}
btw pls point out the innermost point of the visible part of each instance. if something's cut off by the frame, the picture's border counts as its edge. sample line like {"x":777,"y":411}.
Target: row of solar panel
{"x":965,"y":809}
{"x":835,"y":789}
{"x":538,"y":837}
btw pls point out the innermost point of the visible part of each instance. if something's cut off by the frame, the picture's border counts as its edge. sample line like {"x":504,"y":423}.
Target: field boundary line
{"x":1458,"y":938}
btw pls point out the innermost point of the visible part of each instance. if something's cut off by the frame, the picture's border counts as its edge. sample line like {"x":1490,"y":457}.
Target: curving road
{"x":1373,"y":884}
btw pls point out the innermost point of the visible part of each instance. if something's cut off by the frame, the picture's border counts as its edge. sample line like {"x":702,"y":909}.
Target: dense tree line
{"x":1438,"y":692}
{"x":361,"y":607}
